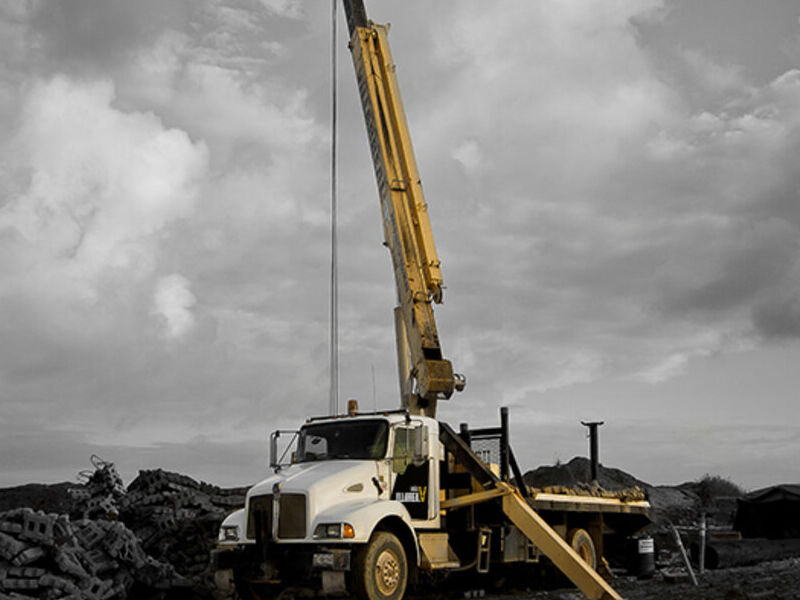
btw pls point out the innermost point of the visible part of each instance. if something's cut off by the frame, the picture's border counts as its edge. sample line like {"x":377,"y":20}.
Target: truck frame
{"x":369,"y":503}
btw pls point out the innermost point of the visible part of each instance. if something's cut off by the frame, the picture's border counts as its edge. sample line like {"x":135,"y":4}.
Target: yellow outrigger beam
{"x":553,"y":546}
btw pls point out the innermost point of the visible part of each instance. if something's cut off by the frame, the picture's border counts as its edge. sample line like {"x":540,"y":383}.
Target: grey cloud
{"x":732,"y":268}
{"x":779,"y":316}
{"x":101,"y":33}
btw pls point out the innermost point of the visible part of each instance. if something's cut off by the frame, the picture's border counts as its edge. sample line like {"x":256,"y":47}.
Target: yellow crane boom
{"x":425,"y":375}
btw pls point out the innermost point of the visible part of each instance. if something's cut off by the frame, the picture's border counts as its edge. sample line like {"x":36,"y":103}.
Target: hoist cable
{"x":334,"y":284}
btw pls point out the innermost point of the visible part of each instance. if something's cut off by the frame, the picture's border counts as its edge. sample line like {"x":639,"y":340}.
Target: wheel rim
{"x":387,"y":572}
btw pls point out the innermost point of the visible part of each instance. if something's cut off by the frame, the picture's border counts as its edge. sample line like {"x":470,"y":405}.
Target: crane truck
{"x":369,"y":503}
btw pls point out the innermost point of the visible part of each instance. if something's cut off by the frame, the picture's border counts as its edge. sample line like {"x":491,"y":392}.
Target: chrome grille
{"x":260,"y":517}
{"x":291,"y":521}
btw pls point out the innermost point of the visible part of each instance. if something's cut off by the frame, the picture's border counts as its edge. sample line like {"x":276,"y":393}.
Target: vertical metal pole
{"x":594,"y":452}
{"x":334,"y":341}
{"x":504,"y":443}
{"x":703,"y":530}
{"x":464,"y":433}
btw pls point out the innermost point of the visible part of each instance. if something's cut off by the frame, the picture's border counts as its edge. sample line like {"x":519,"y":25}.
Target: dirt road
{"x":768,"y":581}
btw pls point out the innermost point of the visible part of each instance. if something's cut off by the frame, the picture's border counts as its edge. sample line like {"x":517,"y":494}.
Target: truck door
{"x":411,"y":470}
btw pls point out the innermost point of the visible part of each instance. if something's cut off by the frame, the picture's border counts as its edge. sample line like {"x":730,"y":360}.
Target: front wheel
{"x":381,"y":568}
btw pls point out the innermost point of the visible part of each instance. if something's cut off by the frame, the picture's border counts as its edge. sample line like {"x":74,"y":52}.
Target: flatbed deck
{"x":577,"y":503}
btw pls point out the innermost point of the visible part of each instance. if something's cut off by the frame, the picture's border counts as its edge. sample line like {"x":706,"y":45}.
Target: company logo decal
{"x":416,"y":493}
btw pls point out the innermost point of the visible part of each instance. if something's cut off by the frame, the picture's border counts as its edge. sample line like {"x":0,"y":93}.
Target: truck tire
{"x":582,"y":544}
{"x":381,"y":568}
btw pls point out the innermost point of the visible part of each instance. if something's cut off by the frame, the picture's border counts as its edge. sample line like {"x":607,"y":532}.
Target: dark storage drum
{"x":646,"y":558}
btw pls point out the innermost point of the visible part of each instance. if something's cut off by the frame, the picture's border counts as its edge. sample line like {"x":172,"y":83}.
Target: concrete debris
{"x":151,"y":540}
{"x":633,"y":494}
{"x":46,"y":559}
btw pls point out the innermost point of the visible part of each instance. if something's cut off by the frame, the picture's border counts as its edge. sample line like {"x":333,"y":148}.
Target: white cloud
{"x":92,"y":190}
{"x":285,"y":8}
{"x":469,"y":155}
{"x":173,"y":302}
{"x":99,"y":178}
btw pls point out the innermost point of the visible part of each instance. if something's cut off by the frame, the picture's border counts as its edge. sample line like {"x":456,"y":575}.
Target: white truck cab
{"x":338,"y":482}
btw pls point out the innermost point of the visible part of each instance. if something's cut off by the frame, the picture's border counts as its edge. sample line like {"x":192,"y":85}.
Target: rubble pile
{"x":151,"y":540}
{"x":51,"y":556}
{"x":177,"y":519}
{"x":101,"y":492}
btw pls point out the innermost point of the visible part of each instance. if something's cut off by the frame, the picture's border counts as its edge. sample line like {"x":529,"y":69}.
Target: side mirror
{"x":273,"y":448}
{"x":279,"y":448}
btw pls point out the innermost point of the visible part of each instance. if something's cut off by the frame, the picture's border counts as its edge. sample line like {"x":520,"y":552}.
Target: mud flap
{"x":333,"y":583}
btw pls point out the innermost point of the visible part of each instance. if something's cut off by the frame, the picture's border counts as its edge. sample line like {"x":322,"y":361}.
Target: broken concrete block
{"x":20,"y":584}
{"x":69,"y":563}
{"x":89,"y":533}
{"x":94,"y":588}
{"x":10,"y":527}
{"x":59,"y":583}
{"x":10,"y":547}
{"x":22,"y":572}
{"x":97,"y":561}
{"x":28,"y":556}
{"x":38,"y":527}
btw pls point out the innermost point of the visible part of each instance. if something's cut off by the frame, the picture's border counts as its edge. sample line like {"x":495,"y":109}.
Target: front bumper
{"x":286,"y":559}
{"x":237,"y":557}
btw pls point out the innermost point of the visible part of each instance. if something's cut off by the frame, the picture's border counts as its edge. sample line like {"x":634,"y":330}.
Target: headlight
{"x":229,"y":533}
{"x":334,"y":531}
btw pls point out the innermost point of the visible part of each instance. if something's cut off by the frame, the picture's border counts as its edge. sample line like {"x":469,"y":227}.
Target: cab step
{"x":436,"y":551}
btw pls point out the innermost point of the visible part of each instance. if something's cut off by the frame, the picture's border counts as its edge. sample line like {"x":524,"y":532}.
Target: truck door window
{"x":403,"y":451}
{"x":412,"y":470}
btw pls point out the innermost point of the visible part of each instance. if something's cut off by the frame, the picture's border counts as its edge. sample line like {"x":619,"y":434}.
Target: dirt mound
{"x":50,"y":498}
{"x":676,"y":505}
{"x":577,"y":472}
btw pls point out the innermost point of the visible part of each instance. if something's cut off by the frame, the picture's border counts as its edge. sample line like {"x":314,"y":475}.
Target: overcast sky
{"x":613,"y":186}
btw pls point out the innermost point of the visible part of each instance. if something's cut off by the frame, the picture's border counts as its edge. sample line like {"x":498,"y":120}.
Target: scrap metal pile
{"x":149,"y":541}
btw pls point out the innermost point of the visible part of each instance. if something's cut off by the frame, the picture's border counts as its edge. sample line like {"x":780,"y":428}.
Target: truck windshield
{"x":343,"y":439}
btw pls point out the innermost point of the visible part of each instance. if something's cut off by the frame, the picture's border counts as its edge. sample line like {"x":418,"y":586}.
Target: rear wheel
{"x":582,"y":543}
{"x":381,"y":568}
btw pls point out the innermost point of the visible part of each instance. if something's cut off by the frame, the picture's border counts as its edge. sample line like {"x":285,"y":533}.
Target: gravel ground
{"x":778,"y":580}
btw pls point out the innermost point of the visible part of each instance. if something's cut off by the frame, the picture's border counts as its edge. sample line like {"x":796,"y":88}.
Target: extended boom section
{"x":407,"y":228}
